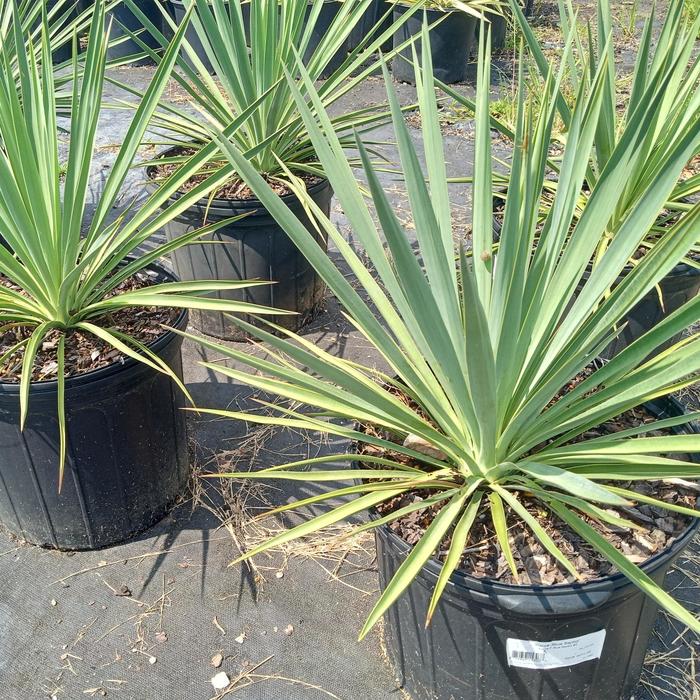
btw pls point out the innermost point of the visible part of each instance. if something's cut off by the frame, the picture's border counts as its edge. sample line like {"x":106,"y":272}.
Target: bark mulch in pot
{"x":233,"y":190}
{"x":85,"y":352}
{"x":483,"y":558}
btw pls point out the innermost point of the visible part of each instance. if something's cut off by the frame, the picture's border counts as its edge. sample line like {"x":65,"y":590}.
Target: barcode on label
{"x":527,"y":655}
{"x":557,"y":653}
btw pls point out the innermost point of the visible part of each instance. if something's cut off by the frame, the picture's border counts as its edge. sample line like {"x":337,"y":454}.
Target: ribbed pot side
{"x":127,"y":458}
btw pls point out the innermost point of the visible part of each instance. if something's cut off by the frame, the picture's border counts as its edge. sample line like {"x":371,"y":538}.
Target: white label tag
{"x":563,"y":652}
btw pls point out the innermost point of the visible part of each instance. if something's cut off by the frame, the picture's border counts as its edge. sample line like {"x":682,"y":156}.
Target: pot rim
{"x":255,"y":205}
{"x":94,"y":375}
{"x":461,"y":579}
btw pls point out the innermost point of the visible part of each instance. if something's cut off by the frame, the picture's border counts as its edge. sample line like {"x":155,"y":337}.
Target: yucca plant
{"x":21,"y":26}
{"x":249,"y":55}
{"x":249,"y":79}
{"x":669,"y":57}
{"x":59,"y":272}
{"x":470,"y":413}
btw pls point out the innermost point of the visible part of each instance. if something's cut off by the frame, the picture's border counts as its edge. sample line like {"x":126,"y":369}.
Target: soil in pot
{"x":548,"y":637}
{"x":85,"y":352}
{"x":451,"y":44}
{"x":484,"y":559}
{"x":127,"y":460}
{"x":254,"y":247}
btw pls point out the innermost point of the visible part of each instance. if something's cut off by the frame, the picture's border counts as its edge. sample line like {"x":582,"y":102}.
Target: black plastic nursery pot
{"x":367,"y":26}
{"x":65,"y":52}
{"x":678,"y":287}
{"x":120,"y":14}
{"x":326,"y":17}
{"x":62,"y":54}
{"x":451,"y":44}
{"x":499,"y":27}
{"x":492,"y":641}
{"x":127,"y":459}
{"x":179,"y":10}
{"x":254,"y":247}
{"x":328,"y":13}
